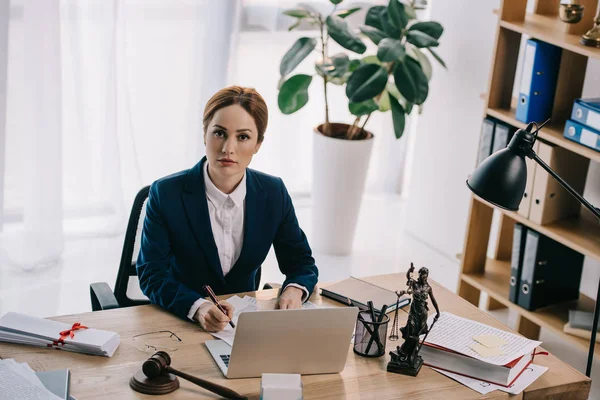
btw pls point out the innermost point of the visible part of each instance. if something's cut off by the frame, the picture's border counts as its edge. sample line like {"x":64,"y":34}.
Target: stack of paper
{"x":24,"y":329}
{"x":248,"y":304}
{"x":18,"y":381}
{"x":482,"y":357}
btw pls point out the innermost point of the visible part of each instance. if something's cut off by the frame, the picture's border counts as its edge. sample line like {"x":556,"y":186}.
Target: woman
{"x":215,"y":223}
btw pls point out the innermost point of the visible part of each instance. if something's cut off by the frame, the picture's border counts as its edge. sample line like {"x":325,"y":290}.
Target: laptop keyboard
{"x":225,"y":358}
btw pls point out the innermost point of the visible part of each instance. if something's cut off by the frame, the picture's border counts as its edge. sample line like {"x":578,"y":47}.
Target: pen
{"x":214,"y":299}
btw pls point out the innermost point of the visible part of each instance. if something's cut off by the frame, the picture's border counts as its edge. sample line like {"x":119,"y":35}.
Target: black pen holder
{"x":370,"y":336}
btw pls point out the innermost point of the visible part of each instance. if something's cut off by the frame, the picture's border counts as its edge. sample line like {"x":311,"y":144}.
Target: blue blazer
{"x":178,"y":253}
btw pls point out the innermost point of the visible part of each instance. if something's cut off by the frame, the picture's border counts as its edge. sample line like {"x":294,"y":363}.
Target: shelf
{"x":578,"y":233}
{"x":494,"y":281}
{"x":550,"y":29}
{"x":550,"y":133}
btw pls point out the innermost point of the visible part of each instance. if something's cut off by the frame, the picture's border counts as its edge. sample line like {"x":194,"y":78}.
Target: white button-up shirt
{"x":226,"y":213}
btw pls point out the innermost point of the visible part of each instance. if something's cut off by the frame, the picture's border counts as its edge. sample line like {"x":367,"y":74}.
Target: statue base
{"x":404,"y":367}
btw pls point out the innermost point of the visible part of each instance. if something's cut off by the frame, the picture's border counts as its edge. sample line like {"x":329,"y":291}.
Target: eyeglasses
{"x":156,"y":341}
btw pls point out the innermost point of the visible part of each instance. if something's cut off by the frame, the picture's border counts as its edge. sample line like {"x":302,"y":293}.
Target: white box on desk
{"x":281,"y":387}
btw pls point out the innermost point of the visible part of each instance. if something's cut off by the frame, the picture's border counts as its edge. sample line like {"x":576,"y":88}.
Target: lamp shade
{"x":500,"y":179}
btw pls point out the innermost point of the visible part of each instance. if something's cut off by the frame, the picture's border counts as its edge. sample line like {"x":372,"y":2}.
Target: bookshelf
{"x":479,"y":273}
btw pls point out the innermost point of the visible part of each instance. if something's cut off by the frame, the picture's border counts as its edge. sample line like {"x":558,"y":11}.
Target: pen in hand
{"x":214,"y":299}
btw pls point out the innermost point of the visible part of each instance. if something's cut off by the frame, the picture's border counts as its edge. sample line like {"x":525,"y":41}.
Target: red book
{"x":504,"y":375}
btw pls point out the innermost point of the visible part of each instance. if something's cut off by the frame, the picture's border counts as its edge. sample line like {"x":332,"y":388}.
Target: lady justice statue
{"x":406,"y":359}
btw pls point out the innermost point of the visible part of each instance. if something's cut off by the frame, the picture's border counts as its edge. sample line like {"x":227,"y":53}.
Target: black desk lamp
{"x":500,"y":180}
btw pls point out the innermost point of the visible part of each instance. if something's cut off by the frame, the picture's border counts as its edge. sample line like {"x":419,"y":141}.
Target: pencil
{"x":214,"y":299}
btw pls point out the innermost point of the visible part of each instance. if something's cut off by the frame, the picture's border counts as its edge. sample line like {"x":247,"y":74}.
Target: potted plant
{"x":395,"y":79}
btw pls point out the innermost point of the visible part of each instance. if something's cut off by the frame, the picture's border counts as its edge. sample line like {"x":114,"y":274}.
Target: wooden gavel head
{"x":156,"y":365}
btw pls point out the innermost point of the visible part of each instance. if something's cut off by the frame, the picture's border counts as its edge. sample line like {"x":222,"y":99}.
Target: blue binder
{"x":582,"y":134}
{"x":538,"y":81}
{"x":587,"y":112}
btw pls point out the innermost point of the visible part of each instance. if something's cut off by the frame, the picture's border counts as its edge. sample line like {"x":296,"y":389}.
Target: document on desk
{"x":248,"y":304}
{"x":18,"y":381}
{"x":529,"y":375}
{"x":456,"y":333}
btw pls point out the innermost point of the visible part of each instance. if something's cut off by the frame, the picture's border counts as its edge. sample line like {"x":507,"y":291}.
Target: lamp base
{"x":162,"y":384}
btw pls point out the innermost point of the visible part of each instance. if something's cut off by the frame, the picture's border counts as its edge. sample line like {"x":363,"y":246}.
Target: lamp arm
{"x":579,"y":197}
{"x":596,"y":212}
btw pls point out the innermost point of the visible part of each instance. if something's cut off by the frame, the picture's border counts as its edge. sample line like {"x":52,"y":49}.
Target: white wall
{"x":448,"y":132}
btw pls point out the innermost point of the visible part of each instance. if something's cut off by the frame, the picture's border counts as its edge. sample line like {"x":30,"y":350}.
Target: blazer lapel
{"x":196,"y":209}
{"x":253,"y":216}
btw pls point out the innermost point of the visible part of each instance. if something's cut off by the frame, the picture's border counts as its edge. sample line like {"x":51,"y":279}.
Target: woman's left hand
{"x":290,"y":298}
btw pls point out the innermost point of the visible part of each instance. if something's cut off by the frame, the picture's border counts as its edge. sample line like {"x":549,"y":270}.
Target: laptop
{"x":303,"y":341}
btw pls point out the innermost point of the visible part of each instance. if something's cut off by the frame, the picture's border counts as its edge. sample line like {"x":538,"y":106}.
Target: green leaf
{"x":394,"y":92}
{"x":397,"y":14}
{"x":390,"y":50}
{"x":338,"y":29}
{"x":421,"y":39}
{"x":363,"y":108}
{"x":373,"y":17}
{"x":298,"y":13}
{"x":374,"y":34}
{"x":388,"y":26}
{"x":295,"y":25}
{"x":354,"y":64}
{"x":335,"y":66}
{"x":411,"y":81}
{"x":341,"y":62}
{"x":366,"y":82}
{"x":296,"y":54}
{"x":425,"y":63}
{"x":437,"y":57}
{"x":410,"y":11}
{"x":293,"y":94}
{"x":347,"y":12}
{"x":336,"y":2}
{"x":398,"y":118}
{"x":371,"y":60}
{"x":384,"y":101}
{"x":431,"y":28}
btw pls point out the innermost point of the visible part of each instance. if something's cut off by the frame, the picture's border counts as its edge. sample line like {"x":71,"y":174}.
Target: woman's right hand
{"x":211,"y":318}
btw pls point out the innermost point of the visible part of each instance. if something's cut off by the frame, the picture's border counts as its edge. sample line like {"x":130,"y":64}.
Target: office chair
{"x":127,"y":292}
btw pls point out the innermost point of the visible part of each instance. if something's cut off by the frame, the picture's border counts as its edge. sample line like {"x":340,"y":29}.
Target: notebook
{"x":357,"y":293}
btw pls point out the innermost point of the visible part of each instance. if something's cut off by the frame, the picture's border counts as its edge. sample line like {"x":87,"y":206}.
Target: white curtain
{"x":103,"y":97}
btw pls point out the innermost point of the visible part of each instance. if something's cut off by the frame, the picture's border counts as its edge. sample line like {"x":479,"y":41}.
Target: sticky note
{"x":490,"y":341}
{"x":486,"y":351}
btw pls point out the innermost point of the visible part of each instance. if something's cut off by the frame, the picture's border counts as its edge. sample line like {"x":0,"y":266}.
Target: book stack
{"x":584,"y":125}
{"x":478,"y":351}
{"x":24,"y":329}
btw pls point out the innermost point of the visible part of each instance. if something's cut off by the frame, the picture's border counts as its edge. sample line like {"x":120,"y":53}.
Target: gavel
{"x":160,"y":364}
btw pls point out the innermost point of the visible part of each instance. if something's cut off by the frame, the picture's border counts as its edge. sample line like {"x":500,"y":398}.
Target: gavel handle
{"x":212,"y":387}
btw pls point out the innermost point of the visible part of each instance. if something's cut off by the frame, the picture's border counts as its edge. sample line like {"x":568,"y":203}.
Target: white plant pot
{"x":339,"y":174}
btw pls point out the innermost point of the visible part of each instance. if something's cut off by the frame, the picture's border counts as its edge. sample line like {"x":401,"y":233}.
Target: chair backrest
{"x":127,"y":289}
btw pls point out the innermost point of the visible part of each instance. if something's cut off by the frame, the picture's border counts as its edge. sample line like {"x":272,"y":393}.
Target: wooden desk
{"x":363,"y":378}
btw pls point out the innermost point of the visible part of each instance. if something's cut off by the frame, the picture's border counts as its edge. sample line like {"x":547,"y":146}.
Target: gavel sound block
{"x":158,"y":377}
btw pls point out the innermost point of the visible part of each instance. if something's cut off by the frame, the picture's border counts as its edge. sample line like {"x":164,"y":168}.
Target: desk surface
{"x":364,"y":378}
